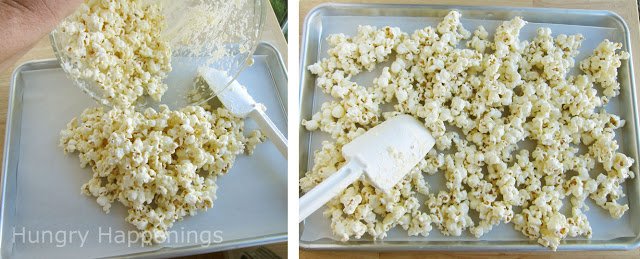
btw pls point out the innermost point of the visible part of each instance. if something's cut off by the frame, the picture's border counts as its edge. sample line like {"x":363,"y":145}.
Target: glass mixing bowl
{"x":241,"y":24}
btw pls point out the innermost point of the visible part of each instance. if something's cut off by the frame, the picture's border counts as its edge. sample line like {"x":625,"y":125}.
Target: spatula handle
{"x":329,"y":188}
{"x":267,"y":126}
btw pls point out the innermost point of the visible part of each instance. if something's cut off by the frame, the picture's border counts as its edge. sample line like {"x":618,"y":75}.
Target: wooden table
{"x":628,"y":9}
{"x":42,"y":50}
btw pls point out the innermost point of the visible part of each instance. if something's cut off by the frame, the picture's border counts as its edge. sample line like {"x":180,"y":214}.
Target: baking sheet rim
{"x":164,"y":252}
{"x":466,"y":245}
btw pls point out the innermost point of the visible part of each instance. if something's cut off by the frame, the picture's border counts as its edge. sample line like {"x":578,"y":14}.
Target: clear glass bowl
{"x":181,"y":81}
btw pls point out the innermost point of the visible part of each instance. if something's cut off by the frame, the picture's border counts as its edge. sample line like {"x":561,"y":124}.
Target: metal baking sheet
{"x":41,"y":186}
{"x":608,"y":234}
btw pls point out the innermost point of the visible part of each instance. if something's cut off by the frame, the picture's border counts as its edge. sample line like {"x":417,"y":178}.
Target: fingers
{"x":52,"y":10}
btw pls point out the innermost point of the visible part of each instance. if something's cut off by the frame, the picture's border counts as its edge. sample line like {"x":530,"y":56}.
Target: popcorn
{"x":480,"y":104}
{"x":602,"y":67}
{"x":480,"y":41}
{"x":116,"y":45}
{"x":162,"y":165}
{"x":506,"y":38}
{"x":255,"y":137}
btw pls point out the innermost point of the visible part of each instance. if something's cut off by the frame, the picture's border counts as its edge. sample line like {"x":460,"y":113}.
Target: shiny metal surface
{"x":312,"y":42}
{"x":11,"y":158}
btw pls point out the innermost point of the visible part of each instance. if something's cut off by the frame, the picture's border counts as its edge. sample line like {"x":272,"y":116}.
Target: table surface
{"x":628,"y":9}
{"x":42,"y":50}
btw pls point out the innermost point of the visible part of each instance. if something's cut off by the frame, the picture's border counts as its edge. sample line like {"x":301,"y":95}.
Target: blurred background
{"x":280,"y":8}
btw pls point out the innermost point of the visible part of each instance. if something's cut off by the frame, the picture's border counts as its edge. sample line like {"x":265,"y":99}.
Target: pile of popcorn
{"x":160,"y":164}
{"x":116,"y":45}
{"x":482,"y":104}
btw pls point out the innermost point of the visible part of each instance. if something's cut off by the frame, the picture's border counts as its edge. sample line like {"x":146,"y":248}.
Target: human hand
{"x":24,"y":22}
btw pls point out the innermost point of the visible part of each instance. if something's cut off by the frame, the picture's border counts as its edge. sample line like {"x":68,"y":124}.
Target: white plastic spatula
{"x":238,"y":101}
{"x":385,"y":154}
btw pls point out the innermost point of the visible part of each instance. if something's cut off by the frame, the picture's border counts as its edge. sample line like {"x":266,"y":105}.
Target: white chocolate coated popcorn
{"x":116,"y":45}
{"x":482,"y":104}
{"x":161,"y":165}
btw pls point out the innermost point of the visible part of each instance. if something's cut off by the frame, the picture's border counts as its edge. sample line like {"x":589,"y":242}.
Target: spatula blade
{"x":234,"y":97}
{"x":389,"y":151}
